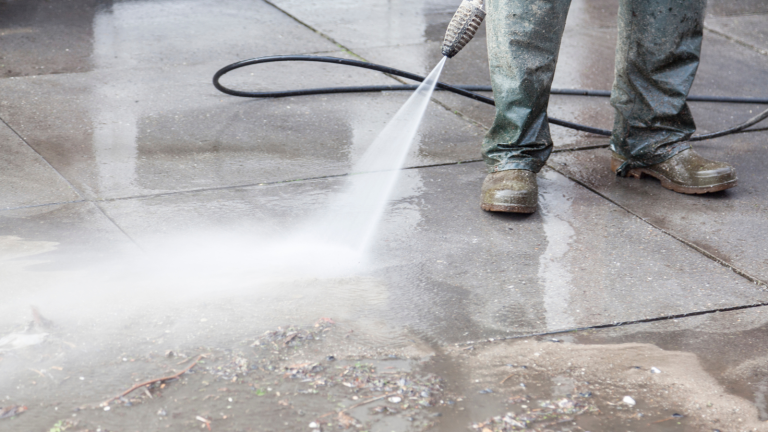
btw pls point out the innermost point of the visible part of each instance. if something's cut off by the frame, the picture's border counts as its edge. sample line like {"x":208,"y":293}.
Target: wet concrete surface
{"x":729,"y":225}
{"x":171,"y":130}
{"x":34,"y":181}
{"x":142,"y":212}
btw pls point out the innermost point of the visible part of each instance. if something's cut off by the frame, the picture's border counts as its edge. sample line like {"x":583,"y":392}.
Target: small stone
{"x":314,"y":425}
{"x":629,"y":401}
{"x":395,"y":399}
{"x":162,"y":413}
{"x":106,"y":408}
{"x":655,"y":370}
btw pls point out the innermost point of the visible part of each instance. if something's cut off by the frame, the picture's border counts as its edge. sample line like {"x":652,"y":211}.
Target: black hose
{"x":463,"y":90}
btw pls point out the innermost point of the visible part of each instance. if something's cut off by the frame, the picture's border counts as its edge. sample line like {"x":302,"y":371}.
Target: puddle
{"x":334,"y":376}
{"x":562,"y":386}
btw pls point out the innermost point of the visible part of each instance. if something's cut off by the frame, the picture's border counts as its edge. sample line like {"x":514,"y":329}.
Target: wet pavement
{"x":143,"y":212}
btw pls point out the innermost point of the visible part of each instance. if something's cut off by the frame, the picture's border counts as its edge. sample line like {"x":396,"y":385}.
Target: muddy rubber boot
{"x":511,"y":191}
{"x":686,"y":172}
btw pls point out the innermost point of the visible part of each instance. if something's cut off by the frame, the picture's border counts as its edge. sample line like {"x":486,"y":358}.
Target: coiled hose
{"x":463,"y":90}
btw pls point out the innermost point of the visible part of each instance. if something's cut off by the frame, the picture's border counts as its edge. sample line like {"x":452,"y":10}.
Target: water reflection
{"x":554,"y":273}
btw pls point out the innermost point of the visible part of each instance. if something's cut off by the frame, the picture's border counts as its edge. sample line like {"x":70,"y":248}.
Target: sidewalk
{"x":114,"y":141}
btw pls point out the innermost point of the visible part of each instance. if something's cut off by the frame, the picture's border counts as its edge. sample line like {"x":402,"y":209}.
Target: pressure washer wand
{"x":463,"y":26}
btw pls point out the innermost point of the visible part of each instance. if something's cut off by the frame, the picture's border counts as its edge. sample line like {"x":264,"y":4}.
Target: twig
{"x":368,"y":401}
{"x":359,"y":404}
{"x":505,"y":379}
{"x":204,"y":420}
{"x":146,"y":383}
{"x":663,"y":420}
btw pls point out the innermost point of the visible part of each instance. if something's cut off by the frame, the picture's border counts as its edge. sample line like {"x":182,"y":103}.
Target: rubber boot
{"x":686,"y":172}
{"x":510,"y":191}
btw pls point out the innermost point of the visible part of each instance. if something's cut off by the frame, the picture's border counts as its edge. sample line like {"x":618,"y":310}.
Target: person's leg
{"x":523,"y":42}
{"x":656,"y":60}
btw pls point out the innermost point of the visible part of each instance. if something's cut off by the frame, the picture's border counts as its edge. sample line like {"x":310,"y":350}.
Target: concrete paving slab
{"x":375,"y":23}
{"x":451,"y":272}
{"x":117,"y":134}
{"x":728,"y":69}
{"x":26,"y":178}
{"x":740,"y":7}
{"x":749,"y":29}
{"x":41,"y":37}
{"x":731,"y":225}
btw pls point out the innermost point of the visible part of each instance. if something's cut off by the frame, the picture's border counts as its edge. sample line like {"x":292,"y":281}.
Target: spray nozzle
{"x":463,"y":26}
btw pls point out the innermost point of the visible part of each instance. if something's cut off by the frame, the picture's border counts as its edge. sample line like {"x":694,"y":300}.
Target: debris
{"x":11,"y":411}
{"x":63,"y":425}
{"x":673,"y":417}
{"x":548,"y":413}
{"x":655,"y":370}
{"x":39,"y":320}
{"x":485,"y":391}
{"x":156,"y":380}
{"x":365,"y":402}
{"x":383,"y":409}
{"x":204,"y":420}
{"x":395,"y":399}
{"x":629,"y":401}
{"x":347,"y":421}
{"x":314,"y":425}
{"x":21,"y":340}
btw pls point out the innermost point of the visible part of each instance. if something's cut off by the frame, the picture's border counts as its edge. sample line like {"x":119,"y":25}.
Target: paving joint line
{"x":72,"y":186}
{"x":96,"y":204}
{"x":330,"y":39}
{"x":349,"y":51}
{"x":736,"y":40}
{"x":743,"y":273}
{"x":43,"y":205}
{"x":43,"y":158}
{"x":615,"y":324}
{"x":272,"y":183}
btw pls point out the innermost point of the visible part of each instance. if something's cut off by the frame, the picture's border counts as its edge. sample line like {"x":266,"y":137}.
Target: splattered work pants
{"x":657,"y":55}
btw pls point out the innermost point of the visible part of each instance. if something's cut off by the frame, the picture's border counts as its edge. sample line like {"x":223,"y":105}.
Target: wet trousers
{"x":657,"y":54}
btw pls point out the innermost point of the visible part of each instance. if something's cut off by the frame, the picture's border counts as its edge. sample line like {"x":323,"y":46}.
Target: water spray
{"x":463,"y":26}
